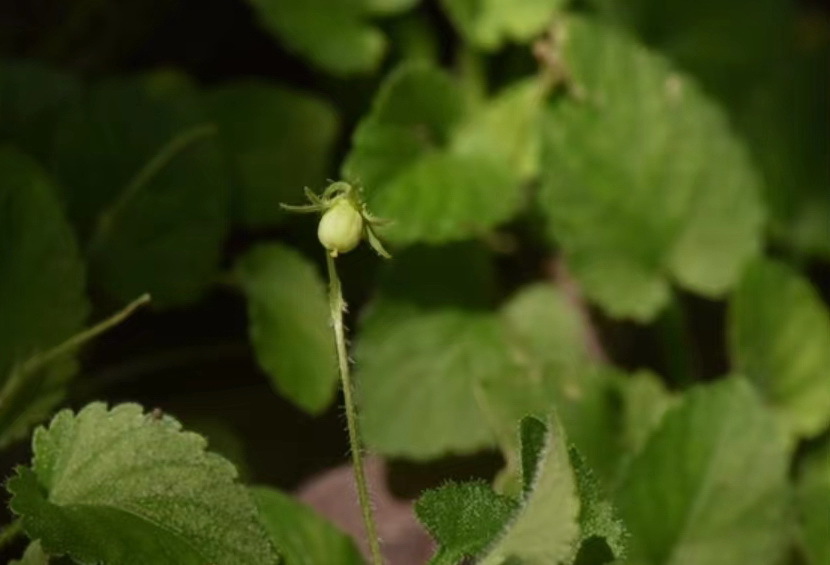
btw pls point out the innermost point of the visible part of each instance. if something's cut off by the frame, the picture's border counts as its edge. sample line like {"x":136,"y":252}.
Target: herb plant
{"x":596,"y":247}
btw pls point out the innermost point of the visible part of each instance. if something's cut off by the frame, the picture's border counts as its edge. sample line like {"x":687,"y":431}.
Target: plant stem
{"x":338,"y":306}
{"x":10,"y":533}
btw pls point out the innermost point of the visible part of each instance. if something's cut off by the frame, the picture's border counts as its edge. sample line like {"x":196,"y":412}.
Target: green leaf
{"x":429,"y":363}
{"x":779,"y":330}
{"x":682,"y":202}
{"x":599,"y":520}
{"x":290,"y":324}
{"x":814,"y":500}
{"x":120,"y":486}
{"x":492,"y":23}
{"x":304,"y":538}
{"x":31,"y":97}
{"x":545,"y":528}
{"x":33,"y":555}
{"x":463,"y":518}
{"x":42,"y":296}
{"x":710,"y":486}
{"x":144,"y":178}
{"x":279,"y":140}
{"x":402,"y":154}
{"x":336,"y":36}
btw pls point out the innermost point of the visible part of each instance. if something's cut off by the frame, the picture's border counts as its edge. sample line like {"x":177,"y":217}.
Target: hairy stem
{"x":338,"y":306}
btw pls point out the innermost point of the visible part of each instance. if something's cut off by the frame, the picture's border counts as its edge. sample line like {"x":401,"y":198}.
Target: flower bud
{"x":341,"y":227}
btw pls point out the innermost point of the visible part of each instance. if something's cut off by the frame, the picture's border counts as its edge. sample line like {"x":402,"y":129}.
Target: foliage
{"x":609,"y":228}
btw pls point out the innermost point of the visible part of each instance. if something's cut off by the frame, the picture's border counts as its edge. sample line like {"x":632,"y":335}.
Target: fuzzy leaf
{"x":290,"y":324}
{"x":123,"y":487}
{"x":681,"y":204}
{"x":780,"y":338}
{"x":463,"y":518}
{"x":144,"y":180}
{"x":710,"y":486}
{"x":304,"y":538}
{"x":42,"y":296}
{"x":491,"y":23}
{"x":403,"y":155}
{"x":278,"y":140}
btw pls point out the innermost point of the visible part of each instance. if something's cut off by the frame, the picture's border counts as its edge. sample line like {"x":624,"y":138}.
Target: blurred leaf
{"x":710,"y":486}
{"x":402,"y":154}
{"x":33,"y":555}
{"x":814,"y":500}
{"x":727,"y":45}
{"x":599,"y":520}
{"x":779,"y":333}
{"x":544,"y":529}
{"x":121,"y":486}
{"x":290,"y":324}
{"x":491,"y":23}
{"x":42,"y":296}
{"x":681,"y":201}
{"x":303,"y":537}
{"x":279,"y":141}
{"x":429,"y":363}
{"x":143,"y":176}
{"x":786,"y":121}
{"x":463,"y":518}
{"x":31,"y":97}
{"x":336,"y":36}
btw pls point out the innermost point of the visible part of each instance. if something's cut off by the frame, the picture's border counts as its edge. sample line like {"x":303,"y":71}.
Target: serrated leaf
{"x":121,"y":486}
{"x":304,"y":538}
{"x":710,"y":486}
{"x":402,"y":154}
{"x":814,"y":500}
{"x":290,"y":324}
{"x":336,"y":36}
{"x":599,"y":520}
{"x":779,"y":330}
{"x":31,"y":97}
{"x":429,"y":363}
{"x":682,"y":202}
{"x":463,"y":518}
{"x":145,"y":181}
{"x":42,"y":296}
{"x":491,"y":23}
{"x":544,"y":529}
{"x":278,"y":140}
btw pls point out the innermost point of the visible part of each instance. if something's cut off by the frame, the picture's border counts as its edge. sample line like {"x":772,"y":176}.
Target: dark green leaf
{"x":814,"y":501}
{"x":779,"y":333}
{"x":681,"y":202}
{"x":124,"y":487}
{"x":304,"y":538}
{"x":463,"y":518}
{"x":143,"y":176}
{"x":290,"y":324}
{"x":279,"y":141}
{"x":710,"y":486}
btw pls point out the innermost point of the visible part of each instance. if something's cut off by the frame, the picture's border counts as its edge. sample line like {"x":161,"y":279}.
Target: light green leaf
{"x":429,"y":364}
{"x":779,"y":332}
{"x":121,"y":486}
{"x":144,"y":179}
{"x":544,"y":529}
{"x":681,"y":203}
{"x":42,"y":296}
{"x":814,"y":500}
{"x":710,"y":485}
{"x":278,"y":140}
{"x":31,"y":97}
{"x":304,"y":538}
{"x":290,"y":324}
{"x":336,"y":36}
{"x":489,"y":24}
{"x":402,"y":154}
{"x":463,"y":518}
